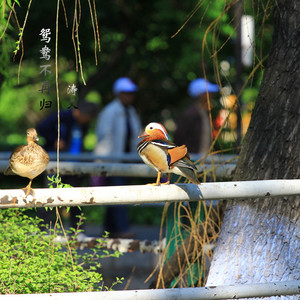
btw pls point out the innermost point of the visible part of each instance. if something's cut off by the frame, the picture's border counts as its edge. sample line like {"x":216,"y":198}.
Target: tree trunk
{"x":259,"y":240}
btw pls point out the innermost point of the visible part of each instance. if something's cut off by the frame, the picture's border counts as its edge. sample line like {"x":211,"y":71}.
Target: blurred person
{"x":193,"y":125}
{"x":74,"y":124}
{"x":117,"y":130}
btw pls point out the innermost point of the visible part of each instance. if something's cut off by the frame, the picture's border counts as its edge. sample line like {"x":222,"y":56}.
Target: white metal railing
{"x":119,"y":169}
{"x":139,"y":194}
{"x":118,"y":244}
{"x":125,"y":157}
{"x":200,"y":293}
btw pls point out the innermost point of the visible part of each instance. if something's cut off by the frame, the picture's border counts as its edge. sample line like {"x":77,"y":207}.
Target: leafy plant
{"x":55,"y":182}
{"x":32,"y":262}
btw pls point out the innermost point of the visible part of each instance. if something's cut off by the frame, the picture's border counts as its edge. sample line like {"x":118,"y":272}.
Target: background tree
{"x":143,"y":48}
{"x":259,"y":239}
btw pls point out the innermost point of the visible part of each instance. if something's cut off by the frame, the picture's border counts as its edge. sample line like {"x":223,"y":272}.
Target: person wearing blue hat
{"x":201,"y":86}
{"x":193,"y":125}
{"x":118,"y":124}
{"x":117,"y":129}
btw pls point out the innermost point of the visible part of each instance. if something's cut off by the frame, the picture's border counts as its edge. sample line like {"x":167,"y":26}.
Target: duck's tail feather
{"x":9,"y":171}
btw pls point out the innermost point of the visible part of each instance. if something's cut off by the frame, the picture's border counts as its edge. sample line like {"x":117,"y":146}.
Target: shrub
{"x":31,"y":261}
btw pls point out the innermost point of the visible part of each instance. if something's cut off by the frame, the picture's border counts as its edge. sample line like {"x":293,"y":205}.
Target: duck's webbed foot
{"x":28,"y":190}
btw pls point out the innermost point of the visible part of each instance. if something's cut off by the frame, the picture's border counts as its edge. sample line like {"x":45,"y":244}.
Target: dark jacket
{"x":193,"y":129}
{"x":47,"y":128}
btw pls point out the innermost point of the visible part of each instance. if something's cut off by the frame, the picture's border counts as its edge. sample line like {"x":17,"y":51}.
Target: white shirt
{"x":111,"y":129}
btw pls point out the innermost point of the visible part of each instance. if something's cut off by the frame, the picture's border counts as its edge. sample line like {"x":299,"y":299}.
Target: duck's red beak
{"x":143,"y":135}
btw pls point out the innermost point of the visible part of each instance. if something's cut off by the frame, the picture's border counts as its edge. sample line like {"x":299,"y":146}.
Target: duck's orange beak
{"x":143,"y":135}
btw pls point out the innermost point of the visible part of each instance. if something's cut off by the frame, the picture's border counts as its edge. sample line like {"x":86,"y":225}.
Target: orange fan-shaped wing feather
{"x":177,"y":153}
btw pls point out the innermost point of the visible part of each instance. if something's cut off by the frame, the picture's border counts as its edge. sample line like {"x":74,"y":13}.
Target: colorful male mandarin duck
{"x":28,"y":161}
{"x":164,"y":156}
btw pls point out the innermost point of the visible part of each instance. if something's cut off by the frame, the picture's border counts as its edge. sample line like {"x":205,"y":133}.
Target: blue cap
{"x":124,"y":84}
{"x":200,"y":86}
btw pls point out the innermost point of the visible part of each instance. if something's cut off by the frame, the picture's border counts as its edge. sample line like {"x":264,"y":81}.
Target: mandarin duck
{"x":159,"y":153}
{"x":28,"y":160}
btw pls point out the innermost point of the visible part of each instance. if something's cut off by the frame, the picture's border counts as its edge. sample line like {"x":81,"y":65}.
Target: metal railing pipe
{"x":120,"y":169}
{"x":202,"y":293}
{"x":125,"y":157}
{"x":140,"y":194}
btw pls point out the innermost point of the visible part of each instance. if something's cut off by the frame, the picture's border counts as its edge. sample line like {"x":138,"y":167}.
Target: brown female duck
{"x":28,"y":160}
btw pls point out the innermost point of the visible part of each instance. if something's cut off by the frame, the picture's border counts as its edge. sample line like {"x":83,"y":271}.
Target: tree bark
{"x":259,"y":241}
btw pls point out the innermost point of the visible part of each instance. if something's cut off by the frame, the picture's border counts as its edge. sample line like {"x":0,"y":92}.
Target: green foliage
{"x":18,"y":41}
{"x":138,"y":215}
{"x":250,"y":94}
{"x":9,"y":3}
{"x":163,"y":51}
{"x":55,"y":182}
{"x":31,"y":262}
{"x":145,"y":215}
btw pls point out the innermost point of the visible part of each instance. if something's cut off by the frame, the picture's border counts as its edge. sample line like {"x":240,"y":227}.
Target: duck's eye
{"x":151,"y":127}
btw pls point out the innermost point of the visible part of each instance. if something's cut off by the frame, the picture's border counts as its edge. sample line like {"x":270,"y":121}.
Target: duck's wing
{"x":185,"y":163}
{"x":175,"y":153}
{"x":21,"y":155}
{"x":16,"y":155}
{"x":188,"y":169}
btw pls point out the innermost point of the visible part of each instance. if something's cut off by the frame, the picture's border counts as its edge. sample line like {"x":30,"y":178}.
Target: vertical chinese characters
{"x":72,"y":89}
{"x":45,"y":55}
